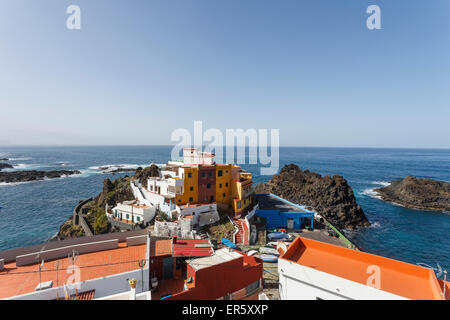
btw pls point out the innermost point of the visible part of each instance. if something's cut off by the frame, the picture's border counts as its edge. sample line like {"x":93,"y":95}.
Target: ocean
{"x":32,"y":212}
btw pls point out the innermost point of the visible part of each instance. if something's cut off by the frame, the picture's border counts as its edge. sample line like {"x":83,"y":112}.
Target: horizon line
{"x":187,"y":146}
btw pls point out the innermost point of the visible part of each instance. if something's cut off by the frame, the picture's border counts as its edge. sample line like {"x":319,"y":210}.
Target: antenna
{"x":72,"y":258}
{"x":141,"y":264}
{"x":41,"y":267}
{"x":57,"y":263}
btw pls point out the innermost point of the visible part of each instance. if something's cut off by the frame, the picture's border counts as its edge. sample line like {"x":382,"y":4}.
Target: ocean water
{"x":32,"y":212}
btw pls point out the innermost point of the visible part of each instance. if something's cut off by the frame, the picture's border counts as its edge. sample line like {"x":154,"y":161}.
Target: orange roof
{"x":400,"y":278}
{"x":86,"y":295}
{"x":16,"y":280}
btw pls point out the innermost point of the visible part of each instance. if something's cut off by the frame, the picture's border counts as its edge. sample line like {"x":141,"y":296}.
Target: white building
{"x":193,"y":156}
{"x":313,"y":270}
{"x":201,"y":214}
{"x":132,"y":212}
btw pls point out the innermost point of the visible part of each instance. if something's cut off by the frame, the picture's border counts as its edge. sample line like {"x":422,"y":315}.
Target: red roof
{"x":191,"y":248}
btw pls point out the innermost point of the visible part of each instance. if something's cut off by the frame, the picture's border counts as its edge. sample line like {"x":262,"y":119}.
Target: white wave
{"x":376,"y":225}
{"x":19,"y":159}
{"x":371,"y":193}
{"x":382,"y":183}
{"x":112,"y":167}
{"x":22,"y":166}
{"x":10,"y":184}
{"x":63,"y":163}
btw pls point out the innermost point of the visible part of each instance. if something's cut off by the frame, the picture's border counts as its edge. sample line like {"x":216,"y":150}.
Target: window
{"x":224,"y":195}
{"x":191,"y":188}
{"x":191,"y":199}
{"x":138,"y":219}
{"x":203,"y":174}
{"x":212,"y":198}
{"x":208,"y":186}
{"x":219,"y":173}
{"x":238,"y":204}
{"x":189,"y":175}
{"x":128,"y":216}
{"x":179,"y":200}
{"x":220,"y":185}
{"x":210,"y":173}
{"x":226,"y":184}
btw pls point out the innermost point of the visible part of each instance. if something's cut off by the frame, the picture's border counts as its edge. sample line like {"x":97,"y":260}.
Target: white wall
{"x":298,"y":282}
{"x":204,"y":215}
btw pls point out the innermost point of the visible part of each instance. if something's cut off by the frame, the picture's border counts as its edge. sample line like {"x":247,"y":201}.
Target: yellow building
{"x":223,"y":183}
{"x":241,"y":190}
{"x":190,"y":192}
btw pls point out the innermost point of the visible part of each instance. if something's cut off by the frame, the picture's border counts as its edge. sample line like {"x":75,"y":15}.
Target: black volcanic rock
{"x":5,"y":166}
{"x":331,"y":197}
{"x":418,"y":193}
{"x":33,"y":175}
{"x":142,"y":175}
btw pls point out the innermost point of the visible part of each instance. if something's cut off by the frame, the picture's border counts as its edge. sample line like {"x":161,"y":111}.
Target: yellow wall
{"x":221,"y":183}
{"x":237,"y":194}
{"x":188,"y":183}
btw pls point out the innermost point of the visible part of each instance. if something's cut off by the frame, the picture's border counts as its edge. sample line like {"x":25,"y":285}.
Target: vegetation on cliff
{"x":113,"y":192}
{"x":418,"y":193}
{"x":331,"y":197}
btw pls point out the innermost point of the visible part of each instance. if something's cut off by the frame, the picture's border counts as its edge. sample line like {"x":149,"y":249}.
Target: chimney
{"x":133,"y":289}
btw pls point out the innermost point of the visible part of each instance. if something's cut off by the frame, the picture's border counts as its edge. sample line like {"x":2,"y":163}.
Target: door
{"x":290,"y":223}
{"x":168,"y":268}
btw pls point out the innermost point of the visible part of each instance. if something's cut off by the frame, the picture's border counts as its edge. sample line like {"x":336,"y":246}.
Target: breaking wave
{"x":382,"y":183}
{"x":371,"y":193}
{"x":112,"y":167}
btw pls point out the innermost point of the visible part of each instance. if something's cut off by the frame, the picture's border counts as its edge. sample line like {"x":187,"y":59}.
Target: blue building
{"x":281,"y":213}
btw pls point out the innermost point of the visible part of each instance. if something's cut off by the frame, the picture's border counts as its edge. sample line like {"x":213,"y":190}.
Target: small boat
{"x":252,"y":252}
{"x":269,"y":258}
{"x":266,"y":250}
{"x":277,"y":236}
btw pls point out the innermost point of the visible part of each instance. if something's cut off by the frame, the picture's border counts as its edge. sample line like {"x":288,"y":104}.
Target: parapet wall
{"x":10,"y":255}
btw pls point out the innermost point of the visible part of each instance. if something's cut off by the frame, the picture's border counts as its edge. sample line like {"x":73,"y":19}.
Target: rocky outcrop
{"x":5,"y":166}
{"x":69,"y":230}
{"x":142,"y":175}
{"x":331,"y":197}
{"x":33,"y":175}
{"x":113,"y":192}
{"x":418,"y":193}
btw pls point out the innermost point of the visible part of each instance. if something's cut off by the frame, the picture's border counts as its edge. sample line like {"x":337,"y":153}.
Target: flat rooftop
{"x":397,"y":277}
{"x":192,"y":248}
{"x":220,"y":256}
{"x":18,"y":280}
{"x":272,"y":202}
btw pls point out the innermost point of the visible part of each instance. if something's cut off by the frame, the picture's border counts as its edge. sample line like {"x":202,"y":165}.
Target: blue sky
{"x":137,"y":70}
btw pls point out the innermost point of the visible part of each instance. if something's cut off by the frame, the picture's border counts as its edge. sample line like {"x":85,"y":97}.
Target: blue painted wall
{"x":276,"y":219}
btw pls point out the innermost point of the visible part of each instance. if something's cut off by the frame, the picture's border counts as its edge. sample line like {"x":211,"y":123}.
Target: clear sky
{"x":139,"y":69}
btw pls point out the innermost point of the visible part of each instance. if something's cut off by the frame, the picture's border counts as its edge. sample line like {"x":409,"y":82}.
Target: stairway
{"x":243,"y":233}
